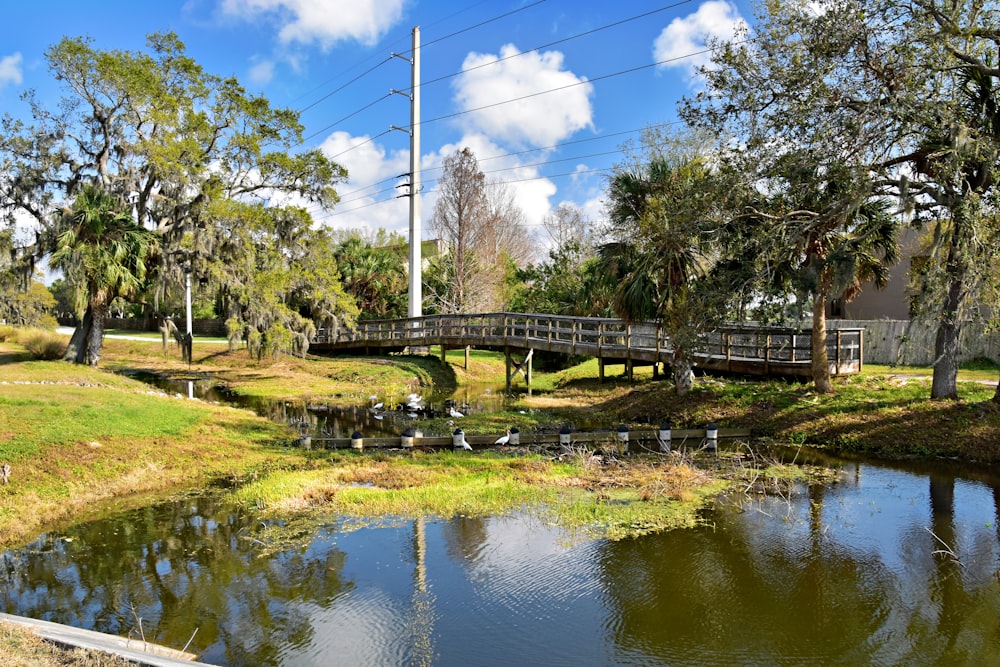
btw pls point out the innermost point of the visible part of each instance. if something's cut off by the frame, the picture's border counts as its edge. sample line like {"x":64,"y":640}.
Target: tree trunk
{"x":820,"y":359}
{"x":76,"y":351}
{"x":683,"y":372}
{"x":96,"y":335}
{"x":944,"y":383}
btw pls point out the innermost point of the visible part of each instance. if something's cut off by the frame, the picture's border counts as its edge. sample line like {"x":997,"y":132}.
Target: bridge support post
{"x":513,"y":367}
{"x":600,"y":370}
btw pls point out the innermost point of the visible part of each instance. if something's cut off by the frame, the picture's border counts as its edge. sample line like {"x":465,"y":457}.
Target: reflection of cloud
{"x":684,"y":37}
{"x":536,"y":120}
{"x":10,"y":70}
{"x":519,"y":563}
{"x":322,"y":21}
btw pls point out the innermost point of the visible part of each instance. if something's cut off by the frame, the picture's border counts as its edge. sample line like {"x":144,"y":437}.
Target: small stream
{"x":889,"y":565}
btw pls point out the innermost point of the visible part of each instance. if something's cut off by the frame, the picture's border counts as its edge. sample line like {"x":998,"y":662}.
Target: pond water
{"x":886,"y":566}
{"x":338,"y":418}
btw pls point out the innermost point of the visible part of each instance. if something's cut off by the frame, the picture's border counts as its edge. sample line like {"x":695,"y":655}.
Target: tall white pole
{"x":416,"y":237}
{"x":187,"y":300}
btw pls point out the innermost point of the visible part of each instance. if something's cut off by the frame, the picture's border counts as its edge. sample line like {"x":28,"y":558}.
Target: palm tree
{"x":826,"y":236}
{"x":109,"y":254}
{"x":658,"y":212}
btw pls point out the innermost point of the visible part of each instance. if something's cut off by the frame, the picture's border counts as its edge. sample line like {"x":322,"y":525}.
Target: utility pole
{"x":416,"y":236}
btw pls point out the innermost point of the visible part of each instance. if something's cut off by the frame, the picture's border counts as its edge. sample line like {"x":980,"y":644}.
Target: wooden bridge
{"x":763,"y":351}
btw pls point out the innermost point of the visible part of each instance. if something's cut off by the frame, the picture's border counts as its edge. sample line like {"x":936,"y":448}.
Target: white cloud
{"x":685,"y":36}
{"x":535,"y":120}
{"x":10,"y":70}
{"x":325,"y":22}
{"x":531,"y":191}
{"x":262,"y":72}
{"x":369,"y":199}
{"x":372,"y":177}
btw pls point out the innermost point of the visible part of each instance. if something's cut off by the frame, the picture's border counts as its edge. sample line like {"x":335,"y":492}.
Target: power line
{"x":631,"y":70}
{"x":450,"y":15}
{"x":388,"y":58}
{"x":334,"y":214}
{"x":491,"y":63}
{"x":558,"y":41}
{"x":344,"y":199}
{"x":350,"y":115}
{"x":498,"y":156}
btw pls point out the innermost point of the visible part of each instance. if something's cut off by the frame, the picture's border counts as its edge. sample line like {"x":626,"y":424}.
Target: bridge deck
{"x":767,"y":351}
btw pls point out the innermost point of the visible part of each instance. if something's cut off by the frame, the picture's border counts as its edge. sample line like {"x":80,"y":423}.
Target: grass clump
{"x":20,"y":647}
{"x":41,"y":343}
{"x":581,"y":491}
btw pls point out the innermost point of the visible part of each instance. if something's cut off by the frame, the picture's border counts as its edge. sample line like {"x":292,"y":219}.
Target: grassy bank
{"x":79,"y":440}
{"x":583,"y":492}
{"x":884,"y":412}
{"x":21,"y":647}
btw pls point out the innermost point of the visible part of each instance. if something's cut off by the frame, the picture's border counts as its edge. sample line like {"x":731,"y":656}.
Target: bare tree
{"x":484,"y":230}
{"x":568,"y":224}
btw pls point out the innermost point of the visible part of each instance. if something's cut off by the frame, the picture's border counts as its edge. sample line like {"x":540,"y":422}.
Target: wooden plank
{"x":533,"y":439}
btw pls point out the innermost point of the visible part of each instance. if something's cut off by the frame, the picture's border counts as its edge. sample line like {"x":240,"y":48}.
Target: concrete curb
{"x":139,"y":652}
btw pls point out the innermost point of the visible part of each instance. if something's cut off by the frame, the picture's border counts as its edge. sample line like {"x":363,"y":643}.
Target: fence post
{"x":357,"y":440}
{"x":837,"y":372}
{"x":406,"y":440}
{"x":565,"y":436}
{"x":622,"y":434}
{"x":712,"y":437}
{"x":664,"y":437}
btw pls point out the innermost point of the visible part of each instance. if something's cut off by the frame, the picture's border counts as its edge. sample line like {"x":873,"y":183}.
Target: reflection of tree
{"x":182,"y":568}
{"x":466,"y":537}
{"x":754,"y":589}
{"x":947,"y":589}
{"x":748,"y":591}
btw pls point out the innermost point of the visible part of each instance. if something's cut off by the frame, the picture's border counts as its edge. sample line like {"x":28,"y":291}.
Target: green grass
{"x":636,"y":497}
{"x":973,"y":371}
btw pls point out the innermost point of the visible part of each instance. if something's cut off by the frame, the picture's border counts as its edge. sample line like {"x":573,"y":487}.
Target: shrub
{"x":45,"y":345}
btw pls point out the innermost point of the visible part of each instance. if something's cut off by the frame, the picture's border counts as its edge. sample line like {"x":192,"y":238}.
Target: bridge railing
{"x":602,"y":337}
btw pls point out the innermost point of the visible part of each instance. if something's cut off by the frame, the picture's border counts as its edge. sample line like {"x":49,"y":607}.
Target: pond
{"x":886,"y":566}
{"x":335,"y":418}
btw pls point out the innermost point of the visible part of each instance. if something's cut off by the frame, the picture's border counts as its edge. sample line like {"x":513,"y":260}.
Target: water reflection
{"x":338,"y":416}
{"x":884,"y":567}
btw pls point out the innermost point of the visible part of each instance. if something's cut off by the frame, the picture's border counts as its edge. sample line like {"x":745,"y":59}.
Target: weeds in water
{"x":945,"y":549}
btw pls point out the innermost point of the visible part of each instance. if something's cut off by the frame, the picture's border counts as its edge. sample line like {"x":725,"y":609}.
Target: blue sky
{"x":544,"y":92}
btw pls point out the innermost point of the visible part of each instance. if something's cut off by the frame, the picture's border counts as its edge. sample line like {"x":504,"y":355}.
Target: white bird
{"x":465,"y":444}
{"x":373,"y":397}
{"x":378,"y":406}
{"x":503,"y":439}
{"x":452,"y":412}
